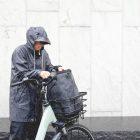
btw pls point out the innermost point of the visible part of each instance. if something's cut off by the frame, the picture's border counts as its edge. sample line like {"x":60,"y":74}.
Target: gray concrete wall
{"x":98,"y":39}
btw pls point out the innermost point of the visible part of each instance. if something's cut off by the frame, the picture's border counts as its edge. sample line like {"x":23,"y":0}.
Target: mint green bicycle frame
{"x":47,"y":118}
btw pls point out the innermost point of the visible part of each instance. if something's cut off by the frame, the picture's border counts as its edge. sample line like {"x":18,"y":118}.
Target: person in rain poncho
{"x":29,"y":60}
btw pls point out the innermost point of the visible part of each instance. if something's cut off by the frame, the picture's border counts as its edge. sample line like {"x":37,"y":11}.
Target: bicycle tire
{"x":72,"y":131}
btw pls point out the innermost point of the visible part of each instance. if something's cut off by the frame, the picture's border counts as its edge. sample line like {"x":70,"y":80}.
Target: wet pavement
{"x":106,"y":128}
{"x":117,"y":135}
{"x":100,"y":135}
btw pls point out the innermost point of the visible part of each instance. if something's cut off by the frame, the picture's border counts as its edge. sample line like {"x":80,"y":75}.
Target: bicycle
{"x":66,"y":127}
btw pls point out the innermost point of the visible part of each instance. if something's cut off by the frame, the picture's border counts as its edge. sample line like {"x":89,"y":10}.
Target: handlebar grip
{"x":15,"y":84}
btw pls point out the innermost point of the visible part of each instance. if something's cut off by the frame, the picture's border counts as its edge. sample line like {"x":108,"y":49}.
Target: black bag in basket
{"x":63,"y":93}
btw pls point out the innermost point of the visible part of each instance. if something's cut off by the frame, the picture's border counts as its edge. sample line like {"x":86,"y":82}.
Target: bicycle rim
{"x":77,"y":132}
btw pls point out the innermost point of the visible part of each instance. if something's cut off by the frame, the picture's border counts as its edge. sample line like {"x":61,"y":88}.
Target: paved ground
{"x":103,"y":128}
{"x":117,"y":135}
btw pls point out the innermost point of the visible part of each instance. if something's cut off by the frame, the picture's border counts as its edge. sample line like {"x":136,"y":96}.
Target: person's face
{"x":38,"y":46}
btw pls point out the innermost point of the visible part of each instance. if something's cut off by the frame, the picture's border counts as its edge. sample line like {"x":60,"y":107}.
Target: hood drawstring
{"x":34,"y":59}
{"x":39,"y":52}
{"x":42,"y":60}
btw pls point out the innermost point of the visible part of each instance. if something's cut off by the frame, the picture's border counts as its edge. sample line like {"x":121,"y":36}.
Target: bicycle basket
{"x":70,"y":109}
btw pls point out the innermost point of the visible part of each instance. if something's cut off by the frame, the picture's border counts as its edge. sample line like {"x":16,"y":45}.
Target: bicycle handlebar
{"x":26,"y":79}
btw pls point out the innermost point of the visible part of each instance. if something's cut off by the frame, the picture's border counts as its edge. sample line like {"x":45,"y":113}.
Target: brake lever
{"x":26,"y":79}
{"x":52,"y":74}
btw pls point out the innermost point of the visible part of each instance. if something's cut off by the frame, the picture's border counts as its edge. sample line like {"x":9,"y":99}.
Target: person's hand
{"x":44,"y":74}
{"x":60,"y":69}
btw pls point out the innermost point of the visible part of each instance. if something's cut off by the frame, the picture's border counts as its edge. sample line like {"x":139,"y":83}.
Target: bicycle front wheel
{"x":77,"y":132}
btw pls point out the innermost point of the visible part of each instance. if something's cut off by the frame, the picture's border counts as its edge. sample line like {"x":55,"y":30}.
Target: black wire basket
{"x":71,"y":109}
